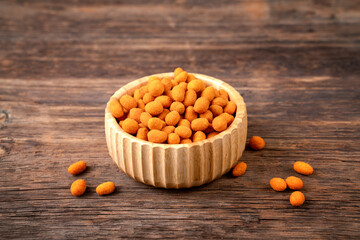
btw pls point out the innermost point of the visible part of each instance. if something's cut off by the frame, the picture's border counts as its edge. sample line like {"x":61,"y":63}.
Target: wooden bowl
{"x":177,"y":165}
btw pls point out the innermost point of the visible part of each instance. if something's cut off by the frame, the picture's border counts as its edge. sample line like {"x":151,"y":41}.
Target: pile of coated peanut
{"x":174,"y":110}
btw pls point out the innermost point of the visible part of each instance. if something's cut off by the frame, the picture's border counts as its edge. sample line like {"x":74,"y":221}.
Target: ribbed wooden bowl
{"x":177,"y":165}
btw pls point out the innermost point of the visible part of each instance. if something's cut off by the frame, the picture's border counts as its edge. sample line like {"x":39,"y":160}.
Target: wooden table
{"x":296,"y":64}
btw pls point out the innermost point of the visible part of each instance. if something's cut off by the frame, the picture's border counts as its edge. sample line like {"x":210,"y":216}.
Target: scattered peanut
{"x":239,"y":169}
{"x":294,"y":183}
{"x":105,"y":188}
{"x":278,"y":184}
{"x":303,"y":168}
{"x":297,"y":198}
{"x":77,"y":168}
{"x":256,"y":143}
{"x":78,"y":187}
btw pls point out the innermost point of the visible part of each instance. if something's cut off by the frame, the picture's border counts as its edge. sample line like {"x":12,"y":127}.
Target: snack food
{"x":297,"y":198}
{"x":303,"y":168}
{"x":105,"y":188}
{"x":256,"y":143}
{"x":239,"y":169}
{"x":278,"y":184}
{"x":294,"y":183}
{"x":78,"y":187}
{"x":77,"y":168}
{"x":194,"y":110}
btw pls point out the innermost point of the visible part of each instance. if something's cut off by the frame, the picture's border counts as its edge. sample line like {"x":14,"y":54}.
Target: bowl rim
{"x":131,"y":86}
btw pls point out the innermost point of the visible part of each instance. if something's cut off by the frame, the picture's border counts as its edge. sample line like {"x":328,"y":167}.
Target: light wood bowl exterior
{"x":177,"y":165}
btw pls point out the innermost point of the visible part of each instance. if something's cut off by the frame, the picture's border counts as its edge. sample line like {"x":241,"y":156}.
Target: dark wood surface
{"x":297,"y":65}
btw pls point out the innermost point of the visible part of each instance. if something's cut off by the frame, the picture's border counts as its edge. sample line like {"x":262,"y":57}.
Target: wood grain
{"x":296,"y":65}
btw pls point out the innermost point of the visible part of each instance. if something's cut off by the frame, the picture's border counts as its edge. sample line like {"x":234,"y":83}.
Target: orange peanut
{"x":177,"y":106}
{"x":173,"y":138}
{"x":199,"y":124}
{"x":155,"y":123}
{"x":219,"y":124}
{"x":278,"y":184}
{"x":239,"y":169}
{"x":116,"y":108}
{"x":78,"y":187}
{"x":303,"y":168}
{"x":154,"y":108}
{"x":294,"y":183}
{"x":128,"y":102}
{"x":187,"y":140}
{"x":105,"y":188}
{"x":190,"y":98}
{"x":142,"y":133}
{"x":256,"y":143}
{"x":157,"y":136}
{"x":198,"y":136}
{"x":77,"y":168}
{"x":130,"y":126}
{"x":183,"y":131}
{"x":135,"y":114}
{"x":297,"y":198}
